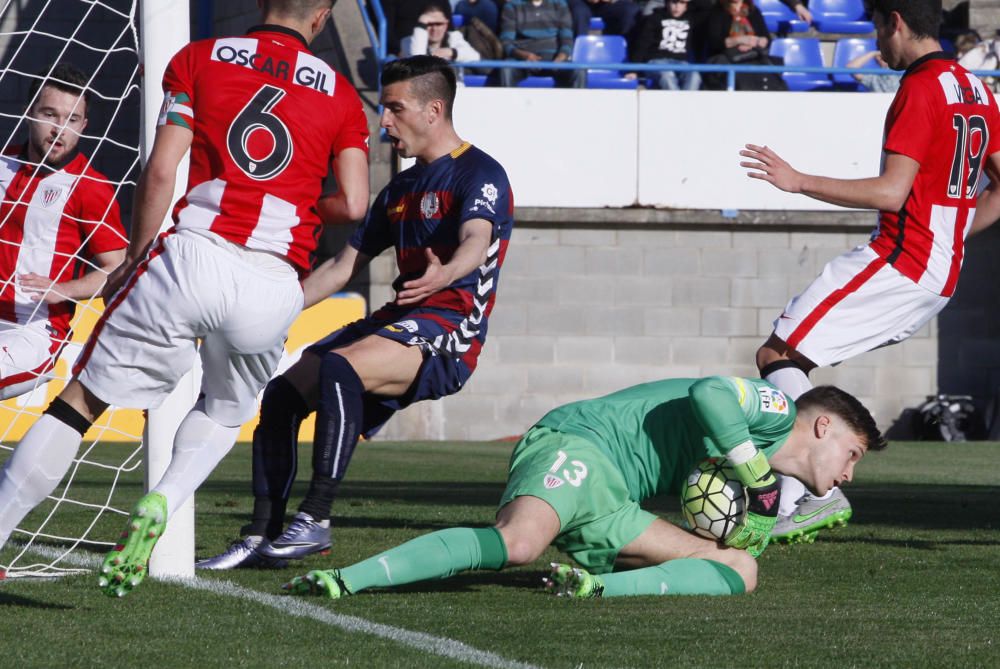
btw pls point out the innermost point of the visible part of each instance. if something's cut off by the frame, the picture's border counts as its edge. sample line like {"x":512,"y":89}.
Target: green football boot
{"x":318,"y":582}
{"x":567,"y":581}
{"x":811,"y":516}
{"x":125,"y":566}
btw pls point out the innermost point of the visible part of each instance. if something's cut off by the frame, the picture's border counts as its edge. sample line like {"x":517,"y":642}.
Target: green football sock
{"x":687,"y":576}
{"x":436,"y":555}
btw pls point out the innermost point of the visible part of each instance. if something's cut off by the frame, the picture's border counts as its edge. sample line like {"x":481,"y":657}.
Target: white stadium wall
{"x":568,"y":148}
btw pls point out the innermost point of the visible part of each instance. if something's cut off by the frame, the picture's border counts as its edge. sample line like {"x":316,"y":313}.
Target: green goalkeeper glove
{"x":763,"y":492}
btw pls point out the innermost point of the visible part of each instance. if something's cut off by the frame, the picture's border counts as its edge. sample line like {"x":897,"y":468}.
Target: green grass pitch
{"x":913,"y":581}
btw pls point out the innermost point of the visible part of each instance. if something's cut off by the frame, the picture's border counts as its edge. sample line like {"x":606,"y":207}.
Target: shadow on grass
{"x":916,"y":506}
{"x":7,"y":599}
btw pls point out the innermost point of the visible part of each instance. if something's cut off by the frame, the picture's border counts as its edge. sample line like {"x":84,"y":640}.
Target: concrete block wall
{"x":585,"y":310}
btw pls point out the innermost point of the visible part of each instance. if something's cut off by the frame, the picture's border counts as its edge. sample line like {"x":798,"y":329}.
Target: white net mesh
{"x":100,"y":38}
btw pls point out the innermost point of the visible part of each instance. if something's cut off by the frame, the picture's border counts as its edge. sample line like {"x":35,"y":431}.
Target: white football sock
{"x":792,"y":490}
{"x":199,"y":445}
{"x":790,"y":380}
{"x":36,"y":467}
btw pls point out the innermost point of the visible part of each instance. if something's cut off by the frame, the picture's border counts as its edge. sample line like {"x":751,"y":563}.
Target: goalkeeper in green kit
{"x":578,"y":475}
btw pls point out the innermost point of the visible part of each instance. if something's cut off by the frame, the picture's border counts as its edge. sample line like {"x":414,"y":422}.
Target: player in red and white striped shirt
{"x":264,"y":121}
{"x":941,"y":133}
{"x":58,"y":217}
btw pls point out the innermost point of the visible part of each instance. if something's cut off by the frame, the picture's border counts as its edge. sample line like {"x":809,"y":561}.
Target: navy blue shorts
{"x":439,"y":376}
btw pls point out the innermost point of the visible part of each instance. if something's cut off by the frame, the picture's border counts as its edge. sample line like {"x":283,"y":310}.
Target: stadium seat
{"x":840,"y":16}
{"x":846,"y":50}
{"x":780,"y":19}
{"x":805,"y":52}
{"x":603,"y":49}
{"x":537,"y":82}
{"x":474,"y":80}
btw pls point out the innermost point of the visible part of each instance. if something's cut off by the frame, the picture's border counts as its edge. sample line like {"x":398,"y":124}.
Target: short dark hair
{"x":63,"y":77}
{"x":848,"y":408}
{"x":299,"y":9}
{"x":432,"y":78}
{"x":923,"y":17}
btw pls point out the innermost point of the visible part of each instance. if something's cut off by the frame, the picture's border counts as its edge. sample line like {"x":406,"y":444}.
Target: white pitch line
{"x":435,"y":645}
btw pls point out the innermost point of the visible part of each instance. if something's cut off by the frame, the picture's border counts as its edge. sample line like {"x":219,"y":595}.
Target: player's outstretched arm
{"x":350,"y":202}
{"x":333,"y":275}
{"x":988,"y":202}
{"x":153,"y":195}
{"x":886,"y":192}
{"x":42,"y":289}
{"x":474,"y":240}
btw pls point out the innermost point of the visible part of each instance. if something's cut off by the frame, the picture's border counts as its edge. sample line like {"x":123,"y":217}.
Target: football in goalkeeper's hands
{"x":713,"y":500}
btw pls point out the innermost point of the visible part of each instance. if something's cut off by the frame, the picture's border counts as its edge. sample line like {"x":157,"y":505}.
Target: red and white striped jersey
{"x":947,"y":120}
{"x":49,"y":220}
{"x":268,"y":118}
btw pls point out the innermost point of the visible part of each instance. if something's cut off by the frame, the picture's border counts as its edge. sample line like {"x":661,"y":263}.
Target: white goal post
{"x":163,"y":30}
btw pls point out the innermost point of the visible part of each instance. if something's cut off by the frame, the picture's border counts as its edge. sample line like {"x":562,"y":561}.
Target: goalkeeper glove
{"x":763,"y":491}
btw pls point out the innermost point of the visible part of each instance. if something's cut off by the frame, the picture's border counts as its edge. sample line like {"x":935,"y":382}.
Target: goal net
{"x":101,"y":38}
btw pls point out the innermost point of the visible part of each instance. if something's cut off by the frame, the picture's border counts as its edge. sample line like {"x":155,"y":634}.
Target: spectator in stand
{"x":735,"y":29}
{"x":667,"y":35}
{"x":538,"y":31}
{"x":736,"y":34}
{"x":876,"y":83}
{"x":620,"y":16}
{"x":484,"y":10}
{"x":431,"y":37}
{"x":402,"y":17}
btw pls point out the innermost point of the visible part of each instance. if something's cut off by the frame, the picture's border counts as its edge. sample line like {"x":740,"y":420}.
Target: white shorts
{"x":27,"y":354}
{"x":194,"y":285}
{"x":859,"y":303}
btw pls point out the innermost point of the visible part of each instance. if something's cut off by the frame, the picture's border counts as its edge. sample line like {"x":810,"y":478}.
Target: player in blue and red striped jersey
{"x":264,"y":121}
{"x":449,"y":219}
{"x":941,"y":132}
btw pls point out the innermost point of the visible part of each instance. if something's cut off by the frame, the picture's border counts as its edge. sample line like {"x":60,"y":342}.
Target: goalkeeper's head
{"x":57,"y":114}
{"x":833,"y":431}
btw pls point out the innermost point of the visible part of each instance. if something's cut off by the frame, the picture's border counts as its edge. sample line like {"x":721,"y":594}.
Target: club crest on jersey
{"x":51,"y":195}
{"x":430,"y":205}
{"x":490,"y":193}
{"x":772,"y":400}
{"x":552,"y":482}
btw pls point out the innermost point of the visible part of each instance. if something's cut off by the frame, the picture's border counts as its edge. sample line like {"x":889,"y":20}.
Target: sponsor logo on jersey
{"x":772,"y":400}
{"x":552,"y":482}
{"x":430,"y":205}
{"x":409,"y":325}
{"x":50,"y":195}
{"x":490,"y":195}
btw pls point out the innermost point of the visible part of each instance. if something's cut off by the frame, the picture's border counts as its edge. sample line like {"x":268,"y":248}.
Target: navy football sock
{"x":275,"y":459}
{"x":338,"y":423}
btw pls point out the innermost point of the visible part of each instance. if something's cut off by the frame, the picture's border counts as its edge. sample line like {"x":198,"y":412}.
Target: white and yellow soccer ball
{"x":713,"y":500}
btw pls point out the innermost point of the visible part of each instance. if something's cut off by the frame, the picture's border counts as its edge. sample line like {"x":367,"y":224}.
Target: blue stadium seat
{"x":846,"y":50}
{"x":801,"y":51}
{"x":603,"y":49}
{"x":780,"y":19}
{"x":537,"y":82}
{"x":474,"y":80}
{"x":840,"y":16}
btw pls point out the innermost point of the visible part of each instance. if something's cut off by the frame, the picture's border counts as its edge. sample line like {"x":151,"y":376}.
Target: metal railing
{"x":379,"y":44}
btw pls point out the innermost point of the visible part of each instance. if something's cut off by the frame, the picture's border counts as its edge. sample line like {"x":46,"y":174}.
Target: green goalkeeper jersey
{"x":656,"y":432}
